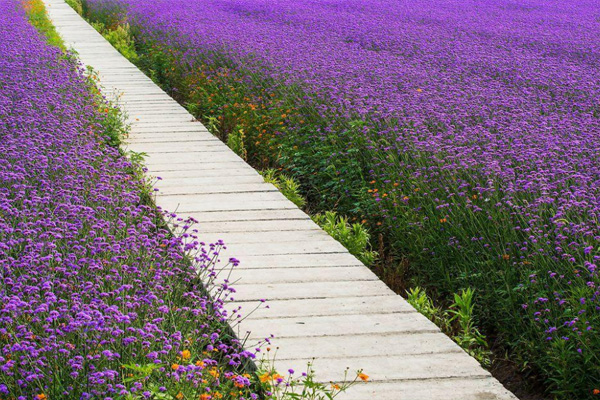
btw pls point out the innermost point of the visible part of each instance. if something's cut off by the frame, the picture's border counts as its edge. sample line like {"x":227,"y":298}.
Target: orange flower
{"x":363,"y":377}
{"x":175,"y":367}
{"x":335,"y":386}
{"x":205,"y":396}
{"x":596,"y":392}
{"x":179,"y":396}
{"x":200,"y":364}
{"x":265,"y":377}
{"x":505,"y":256}
{"x":443,"y":220}
{"x":41,"y":396}
{"x":186,"y":354}
{"x":277,"y":377}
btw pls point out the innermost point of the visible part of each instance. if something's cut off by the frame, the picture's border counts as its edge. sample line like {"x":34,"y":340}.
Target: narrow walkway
{"x":324,"y":304}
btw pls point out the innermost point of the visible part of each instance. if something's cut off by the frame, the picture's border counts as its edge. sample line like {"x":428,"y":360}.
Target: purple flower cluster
{"x":97,"y":298}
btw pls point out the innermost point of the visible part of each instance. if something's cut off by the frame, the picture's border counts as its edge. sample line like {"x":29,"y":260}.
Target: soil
{"x":524,"y":387}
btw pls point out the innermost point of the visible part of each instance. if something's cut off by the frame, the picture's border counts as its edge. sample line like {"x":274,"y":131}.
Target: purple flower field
{"x":465,"y":132}
{"x":96,"y":298}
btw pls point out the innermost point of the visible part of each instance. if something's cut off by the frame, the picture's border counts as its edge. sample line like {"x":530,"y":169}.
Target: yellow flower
{"x":363,"y":377}
{"x":186,"y":354}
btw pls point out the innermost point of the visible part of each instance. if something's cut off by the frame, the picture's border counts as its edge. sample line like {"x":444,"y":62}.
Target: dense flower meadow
{"x":466,"y":133}
{"x":97,"y":298}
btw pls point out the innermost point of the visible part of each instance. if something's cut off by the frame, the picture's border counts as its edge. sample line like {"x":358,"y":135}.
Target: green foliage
{"x":417,"y":297}
{"x":458,"y":321}
{"x":111,"y":117}
{"x":355,"y":237}
{"x":235,"y":141}
{"x":286,"y":185}
{"x":76,"y":5}
{"x":36,"y":12}
{"x":468,"y":336}
{"x":121,"y":39}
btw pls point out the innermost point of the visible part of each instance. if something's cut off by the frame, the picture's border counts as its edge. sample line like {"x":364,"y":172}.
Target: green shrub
{"x":235,"y":141}
{"x":457,"y":322}
{"x":417,"y":297}
{"x":121,"y":39}
{"x":76,"y":5}
{"x":286,"y":184}
{"x":468,"y":336}
{"x":354,"y":237}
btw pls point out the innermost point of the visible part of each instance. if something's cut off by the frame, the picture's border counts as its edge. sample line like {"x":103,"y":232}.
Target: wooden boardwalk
{"x":324,"y":304}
